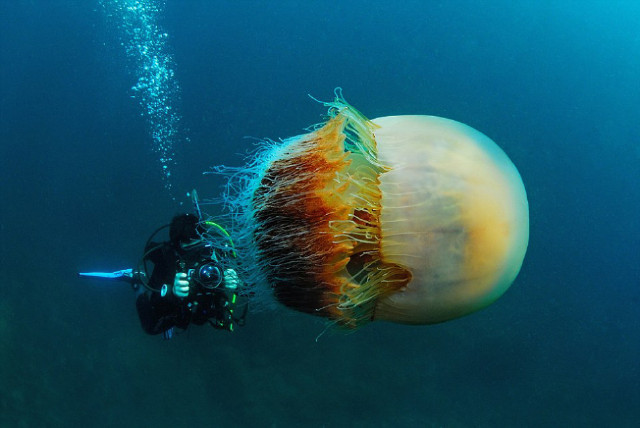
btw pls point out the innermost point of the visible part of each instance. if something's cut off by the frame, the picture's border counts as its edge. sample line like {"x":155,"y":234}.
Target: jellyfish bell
{"x":455,"y":213}
{"x":408,"y":219}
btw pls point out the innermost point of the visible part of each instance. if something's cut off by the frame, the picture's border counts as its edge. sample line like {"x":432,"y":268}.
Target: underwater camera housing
{"x":205,"y":277}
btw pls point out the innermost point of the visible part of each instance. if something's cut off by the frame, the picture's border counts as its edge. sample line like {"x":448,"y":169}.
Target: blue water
{"x":82,"y":184}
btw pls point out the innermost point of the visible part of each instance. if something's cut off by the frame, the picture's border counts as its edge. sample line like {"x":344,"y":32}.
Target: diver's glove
{"x":231,"y":279}
{"x":181,"y":285}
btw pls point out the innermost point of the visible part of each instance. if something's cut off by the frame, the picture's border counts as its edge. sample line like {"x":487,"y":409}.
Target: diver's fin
{"x":196,"y":203}
{"x":126,"y":275}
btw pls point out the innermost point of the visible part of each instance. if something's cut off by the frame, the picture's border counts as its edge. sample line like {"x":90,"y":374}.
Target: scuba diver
{"x":192,"y":281}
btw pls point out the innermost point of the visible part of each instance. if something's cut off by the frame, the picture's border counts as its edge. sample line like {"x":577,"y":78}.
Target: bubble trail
{"x":156,"y":88}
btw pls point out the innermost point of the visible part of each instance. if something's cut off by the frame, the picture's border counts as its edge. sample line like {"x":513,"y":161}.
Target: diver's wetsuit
{"x":159,"y":314}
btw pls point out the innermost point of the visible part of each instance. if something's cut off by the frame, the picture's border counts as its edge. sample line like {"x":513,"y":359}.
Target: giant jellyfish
{"x":408,"y":219}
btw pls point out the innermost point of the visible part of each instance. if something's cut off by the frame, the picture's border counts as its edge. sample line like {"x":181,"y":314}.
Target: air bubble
{"x":156,"y":89}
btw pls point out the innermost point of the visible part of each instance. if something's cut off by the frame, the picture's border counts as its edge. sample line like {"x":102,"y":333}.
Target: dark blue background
{"x":555,"y":84}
